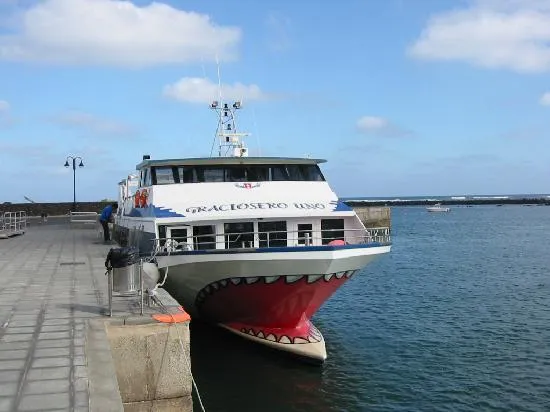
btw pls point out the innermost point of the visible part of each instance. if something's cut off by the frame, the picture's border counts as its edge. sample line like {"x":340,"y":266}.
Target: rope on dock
{"x":174,"y":323}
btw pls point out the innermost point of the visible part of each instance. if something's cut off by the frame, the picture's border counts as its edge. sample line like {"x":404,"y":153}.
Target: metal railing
{"x":269,"y":239}
{"x":12,"y":223}
{"x":83,"y":218}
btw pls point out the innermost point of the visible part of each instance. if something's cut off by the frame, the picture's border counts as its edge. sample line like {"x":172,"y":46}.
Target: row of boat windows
{"x":165,"y":175}
{"x":241,"y":234}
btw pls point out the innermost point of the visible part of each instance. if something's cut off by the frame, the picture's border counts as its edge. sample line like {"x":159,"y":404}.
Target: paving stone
{"x":12,"y":354}
{"x":44,"y":402}
{"x":17,"y":337}
{"x":48,"y":322}
{"x":23,"y":323}
{"x":53,"y":343}
{"x":14,"y":345}
{"x":8,"y":388}
{"x":60,"y":372}
{"x":80,"y":372}
{"x":21,"y":329}
{"x":56,"y":328}
{"x":46,"y":386}
{"x":50,"y":362}
{"x":12,"y":365}
{"x":46,"y":352}
{"x":81,"y":399}
{"x":6,"y":404}
{"x":81,"y":384}
{"x":54,"y":335}
{"x":79,"y":360}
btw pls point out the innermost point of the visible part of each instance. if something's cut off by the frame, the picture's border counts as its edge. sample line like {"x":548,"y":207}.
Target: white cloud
{"x":369,"y":123}
{"x":4,"y":106}
{"x":199,"y":90}
{"x":510,"y":34}
{"x":545,"y":99}
{"x":379,"y":126}
{"x":278,"y":31}
{"x":115,"y":33}
{"x":92,"y":123}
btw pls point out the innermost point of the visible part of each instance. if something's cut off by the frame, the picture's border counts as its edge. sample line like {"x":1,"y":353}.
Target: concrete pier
{"x":55,"y":352}
{"x":374,"y":216}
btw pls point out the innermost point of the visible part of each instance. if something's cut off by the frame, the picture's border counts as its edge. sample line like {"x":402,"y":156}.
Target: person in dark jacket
{"x":105,"y":218}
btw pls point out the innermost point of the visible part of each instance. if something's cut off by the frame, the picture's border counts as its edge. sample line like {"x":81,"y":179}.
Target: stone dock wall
{"x":52,"y":209}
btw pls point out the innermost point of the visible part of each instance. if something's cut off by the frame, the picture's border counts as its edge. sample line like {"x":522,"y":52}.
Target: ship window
{"x":210,"y":174}
{"x":279,"y":173}
{"x":332,"y":229}
{"x":187,"y":174}
{"x":235,"y":174}
{"x":204,"y":237}
{"x":311,"y":173}
{"x":145,"y":178}
{"x":305,"y":234}
{"x":272,"y":234}
{"x":239,"y":235}
{"x":164,"y":175}
{"x":257,"y":173}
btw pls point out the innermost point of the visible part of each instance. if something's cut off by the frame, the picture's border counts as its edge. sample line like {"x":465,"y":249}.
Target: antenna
{"x":230,"y":140}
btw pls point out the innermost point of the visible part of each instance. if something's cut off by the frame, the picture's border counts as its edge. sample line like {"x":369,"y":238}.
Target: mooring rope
{"x":165,"y":309}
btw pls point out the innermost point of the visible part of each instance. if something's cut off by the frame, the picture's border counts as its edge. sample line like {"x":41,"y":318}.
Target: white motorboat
{"x":438,"y":208}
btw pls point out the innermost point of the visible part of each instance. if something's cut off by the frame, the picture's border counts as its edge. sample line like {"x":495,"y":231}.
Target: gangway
{"x":12,"y":224}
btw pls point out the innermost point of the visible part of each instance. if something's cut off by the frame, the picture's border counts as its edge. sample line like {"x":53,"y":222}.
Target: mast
{"x":231,"y":142}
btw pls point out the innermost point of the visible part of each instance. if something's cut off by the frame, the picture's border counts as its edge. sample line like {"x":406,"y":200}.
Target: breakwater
{"x":52,"y":209}
{"x":452,"y":202}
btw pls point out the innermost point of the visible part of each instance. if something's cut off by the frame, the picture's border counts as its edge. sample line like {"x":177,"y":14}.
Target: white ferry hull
{"x":266,"y":296}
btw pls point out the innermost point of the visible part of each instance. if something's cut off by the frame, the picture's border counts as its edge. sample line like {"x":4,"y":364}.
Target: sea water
{"x":455,"y":318}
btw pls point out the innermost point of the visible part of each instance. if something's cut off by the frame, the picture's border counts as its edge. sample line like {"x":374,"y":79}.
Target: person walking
{"x":105,"y":218}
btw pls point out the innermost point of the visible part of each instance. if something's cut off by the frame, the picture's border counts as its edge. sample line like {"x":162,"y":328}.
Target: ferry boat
{"x":252,"y":244}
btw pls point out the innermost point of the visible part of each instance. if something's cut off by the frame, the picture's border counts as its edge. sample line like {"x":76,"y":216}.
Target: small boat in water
{"x":438,"y":208}
{"x":253,"y":244}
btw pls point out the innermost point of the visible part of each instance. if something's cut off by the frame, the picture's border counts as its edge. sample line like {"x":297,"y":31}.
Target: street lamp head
{"x":81,"y":164}
{"x":66,"y":163}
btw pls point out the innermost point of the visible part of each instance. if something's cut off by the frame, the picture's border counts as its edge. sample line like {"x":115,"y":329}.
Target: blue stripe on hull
{"x":275,"y":249}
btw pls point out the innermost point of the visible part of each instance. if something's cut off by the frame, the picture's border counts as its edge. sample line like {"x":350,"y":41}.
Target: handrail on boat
{"x":269,"y":239}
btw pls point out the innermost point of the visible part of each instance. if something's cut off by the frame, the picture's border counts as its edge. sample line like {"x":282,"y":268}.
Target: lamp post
{"x":74,"y":159}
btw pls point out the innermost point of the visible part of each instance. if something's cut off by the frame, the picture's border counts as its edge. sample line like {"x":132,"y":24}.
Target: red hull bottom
{"x":275,"y":309}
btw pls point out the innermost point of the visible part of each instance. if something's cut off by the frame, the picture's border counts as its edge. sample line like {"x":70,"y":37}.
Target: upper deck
{"x":225,"y":161}
{"x":229,"y":169}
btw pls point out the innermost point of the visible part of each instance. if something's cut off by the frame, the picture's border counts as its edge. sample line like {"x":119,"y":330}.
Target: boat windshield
{"x":164,"y":175}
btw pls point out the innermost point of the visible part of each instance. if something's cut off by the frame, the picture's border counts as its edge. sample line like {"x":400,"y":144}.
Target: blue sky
{"x":403,"y":97}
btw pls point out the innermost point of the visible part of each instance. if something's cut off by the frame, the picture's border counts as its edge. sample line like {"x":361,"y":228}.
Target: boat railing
{"x":270,"y":239}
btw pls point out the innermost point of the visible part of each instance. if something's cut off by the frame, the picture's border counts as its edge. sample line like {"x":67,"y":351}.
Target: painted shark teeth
{"x":235,"y":281}
{"x":251,"y":280}
{"x":350,"y":273}
{"x":329,"y":277}
{"x":311,"y":339}
{"x":251,"y":332}
{"x":284,"y":339}
{"x":271,"y":279}
{"x":271,"y":337}
{"x":339,"y":275}
{"x":313,"y":278}
{"x":214,"y":286}
{"x":223,"y":283}
{"x":300,"y":340}
{"x":293,"y":278}
{"x":261,"y":335}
